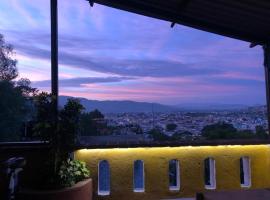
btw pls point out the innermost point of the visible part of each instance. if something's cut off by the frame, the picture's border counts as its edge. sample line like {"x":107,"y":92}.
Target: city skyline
{"x":107,"y":54}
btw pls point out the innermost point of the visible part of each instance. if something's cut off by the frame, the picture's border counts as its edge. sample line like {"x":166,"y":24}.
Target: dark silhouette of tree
{"x":44,"y":119}
{"x":69,"y":122}
{"x":96,"y":114}
{"x":136,"y":128}
{"x":157,"y":135}
{"x":245,"y":134}
{"x":8,"y":69}
{"x":63,"y":132}
{"x":15,"y":96}
{"x":12,"y":109}
{"x":219,"y":131}
{"x":261,"y":133}
{"x":171,"y":127}
{"x":24,"y":85}
{"x":91,"y":123}
{"x":61,"y":136}
{"x":185,"y":135}
{"x":227,"y":131}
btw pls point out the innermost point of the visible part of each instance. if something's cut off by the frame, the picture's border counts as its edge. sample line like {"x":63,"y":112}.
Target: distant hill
{"x":210,"y":107}
{"x":133,"y":106}
{"x":120,"y":106}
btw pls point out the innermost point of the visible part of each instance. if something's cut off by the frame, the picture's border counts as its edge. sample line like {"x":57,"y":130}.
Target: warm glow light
{"x":191,"y":159}
{"x":140,"y":149}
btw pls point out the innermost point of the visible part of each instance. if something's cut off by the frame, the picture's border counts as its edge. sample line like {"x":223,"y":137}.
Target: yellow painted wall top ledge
{"x":191,"y":159}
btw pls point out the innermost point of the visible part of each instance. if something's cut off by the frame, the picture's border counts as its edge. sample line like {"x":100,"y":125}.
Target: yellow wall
{"x":191,"y":169}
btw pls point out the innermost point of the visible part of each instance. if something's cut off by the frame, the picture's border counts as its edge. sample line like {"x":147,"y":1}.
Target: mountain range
{"x":120,"y":106}
{"x":110,"y":106}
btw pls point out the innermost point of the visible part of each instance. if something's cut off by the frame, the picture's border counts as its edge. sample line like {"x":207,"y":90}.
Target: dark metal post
{"x":266,"y":49}
{"x":54,"y":55}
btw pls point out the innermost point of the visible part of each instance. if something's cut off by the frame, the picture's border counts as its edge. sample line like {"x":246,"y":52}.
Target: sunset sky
{"x":107,"y":54}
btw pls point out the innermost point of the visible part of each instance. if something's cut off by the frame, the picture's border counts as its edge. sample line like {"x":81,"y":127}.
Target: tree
{"x":136,"y":128}
{"x":8,"y":69}
{"x":16,"y":108}
{"x":89,"y":123}
{"x":185,"y":135}
{"x":61,"y":135}
{"x":171,"y":127}
{"x":44,"y":118}
{"x":261,"y":133}
{"x":227,"y":131}
{"x":245,"y":134}
{"x":24,"y":85}
{"x":96,"y":114}
{"x":157,"y":135}
{"x":69,"y":121}
{"x":15,"y":96}
{"x":219,"y":131}
{"x":12,"y":110}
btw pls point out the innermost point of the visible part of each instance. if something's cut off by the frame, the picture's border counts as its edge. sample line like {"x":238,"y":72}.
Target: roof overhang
{"x":247,"y":20}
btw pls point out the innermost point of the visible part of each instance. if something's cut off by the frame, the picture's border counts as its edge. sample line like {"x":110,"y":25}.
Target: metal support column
{"x":54,"y":55}
{"x":266,"y":49}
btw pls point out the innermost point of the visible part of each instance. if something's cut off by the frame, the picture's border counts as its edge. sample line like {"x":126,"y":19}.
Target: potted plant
{"x":62,"y":177}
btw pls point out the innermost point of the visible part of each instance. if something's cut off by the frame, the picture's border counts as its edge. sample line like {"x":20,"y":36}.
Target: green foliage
{"x":136,"y":128}
{"x":8,"y":69}
{"x":261,"y":133}
{"x":96,"y":114}
{"x":15,"y":96}
{"x":227,"y":131}
{"x":244,"y":134}
{"x":219,"y":131}
{"x":16,"y":108}
{"x":13,"y":107}
{"x":171,"y":127}
{"x":71,"y":172}
{"x":89,"y":123}
{"x":44,"y":127}
{"x":60,"y":134}
{"x":157,"y":135}
{"x":24,"y":85}
{"x":68,"y":124}
{"x":185,"y":135}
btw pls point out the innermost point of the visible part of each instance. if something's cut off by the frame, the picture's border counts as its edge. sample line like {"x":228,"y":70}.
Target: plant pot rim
{"x":61,"y":190}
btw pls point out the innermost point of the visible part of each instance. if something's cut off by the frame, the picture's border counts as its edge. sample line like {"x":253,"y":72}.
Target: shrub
{"x":71,"y":172}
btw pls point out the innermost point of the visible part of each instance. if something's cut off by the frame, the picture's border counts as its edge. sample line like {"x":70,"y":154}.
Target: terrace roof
{"x":247,"y":20}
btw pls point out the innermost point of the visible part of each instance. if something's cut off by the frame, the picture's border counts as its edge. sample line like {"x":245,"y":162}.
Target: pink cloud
{"x":148,"y":92}
{"x":241,"y":75}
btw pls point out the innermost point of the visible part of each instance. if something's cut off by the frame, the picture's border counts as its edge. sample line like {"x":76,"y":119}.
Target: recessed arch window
{"x":174,"y":175}
{"x":245,"y":177}
{"x":138,"y":176}
{"x":209,"y":173}
{"x":103,"y":178}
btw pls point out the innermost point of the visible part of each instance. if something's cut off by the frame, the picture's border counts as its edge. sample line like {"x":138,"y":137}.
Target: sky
{"x":108,"y":54}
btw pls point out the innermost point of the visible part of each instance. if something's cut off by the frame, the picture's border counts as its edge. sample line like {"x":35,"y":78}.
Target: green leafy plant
{"x":61,"y":136}
{"x":72,"y":171}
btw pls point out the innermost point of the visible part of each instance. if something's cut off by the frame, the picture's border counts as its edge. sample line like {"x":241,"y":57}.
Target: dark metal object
{"x":54,"y":56}
{"x":91,"y":3}
{"x":183,"y":4}
{"x":11,"y":169}
{"x":252,"y":45}
{"x":266,"y":50}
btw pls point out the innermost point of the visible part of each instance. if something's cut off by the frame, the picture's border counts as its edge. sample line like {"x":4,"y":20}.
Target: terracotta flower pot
{"x":82,"y":190}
